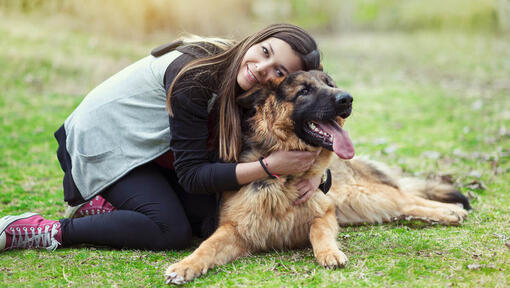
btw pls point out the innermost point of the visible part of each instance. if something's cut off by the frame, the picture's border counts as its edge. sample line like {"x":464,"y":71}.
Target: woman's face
{"x":265,"y":61}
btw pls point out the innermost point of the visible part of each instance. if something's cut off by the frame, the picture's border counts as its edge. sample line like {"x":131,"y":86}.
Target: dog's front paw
{"x":332,"y":258}
{"x":182,"y":272}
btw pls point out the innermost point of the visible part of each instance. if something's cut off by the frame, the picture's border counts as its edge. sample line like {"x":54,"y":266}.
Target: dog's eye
{"x":329,"y":83}
{"x":303,"y":92}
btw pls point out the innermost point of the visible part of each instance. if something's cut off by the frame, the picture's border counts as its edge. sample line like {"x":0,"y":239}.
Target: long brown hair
{"x":222,"y":64}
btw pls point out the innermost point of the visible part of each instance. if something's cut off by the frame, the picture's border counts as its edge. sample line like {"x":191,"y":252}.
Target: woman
{"x":163,"y":174}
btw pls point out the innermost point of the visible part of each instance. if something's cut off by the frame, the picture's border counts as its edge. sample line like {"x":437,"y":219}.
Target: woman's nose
{"x":263,"y":68}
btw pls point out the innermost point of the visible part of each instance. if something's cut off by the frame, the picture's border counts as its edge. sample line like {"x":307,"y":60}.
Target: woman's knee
{"x":174,"y":237}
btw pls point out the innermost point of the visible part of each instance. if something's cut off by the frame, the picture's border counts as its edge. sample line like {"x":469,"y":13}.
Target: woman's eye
{"x":279,"y":73}
{"x":264,"y":49}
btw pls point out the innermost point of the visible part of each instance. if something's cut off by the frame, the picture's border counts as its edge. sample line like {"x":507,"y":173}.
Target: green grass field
{"x":431,"y":103}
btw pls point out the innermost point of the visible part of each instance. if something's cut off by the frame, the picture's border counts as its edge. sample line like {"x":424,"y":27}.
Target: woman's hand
{"x":279,"y":162}
{"x":306,"y":188}
{"x":290,"y":162}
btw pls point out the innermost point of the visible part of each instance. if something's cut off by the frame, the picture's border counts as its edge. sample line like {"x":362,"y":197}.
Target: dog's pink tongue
{"x":342,"y":144}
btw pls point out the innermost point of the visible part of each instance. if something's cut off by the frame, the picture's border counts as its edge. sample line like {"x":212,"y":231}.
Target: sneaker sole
{"x":6,"y":221}
{"x":71,"y":211}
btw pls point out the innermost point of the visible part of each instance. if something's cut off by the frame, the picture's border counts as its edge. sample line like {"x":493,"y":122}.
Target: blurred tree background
{"x":231,"y":18}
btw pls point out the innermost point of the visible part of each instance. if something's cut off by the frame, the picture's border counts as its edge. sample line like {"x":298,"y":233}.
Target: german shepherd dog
{"x":306,"y":111}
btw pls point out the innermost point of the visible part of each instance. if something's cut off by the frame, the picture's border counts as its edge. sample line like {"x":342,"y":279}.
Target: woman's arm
{"x":280,"y":163}
{"x":197,"y":173}
{"x":189,"y":136}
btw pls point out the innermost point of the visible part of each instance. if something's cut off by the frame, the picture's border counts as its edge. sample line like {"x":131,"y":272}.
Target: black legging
{"x":153,"y":212}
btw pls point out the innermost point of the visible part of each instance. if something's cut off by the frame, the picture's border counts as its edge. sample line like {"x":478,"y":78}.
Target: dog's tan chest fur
{"x":266,"y":217}
{"x":264,"y":214}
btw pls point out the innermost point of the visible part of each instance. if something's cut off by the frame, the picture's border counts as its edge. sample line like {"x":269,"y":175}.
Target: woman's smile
{"x":251,"y":76}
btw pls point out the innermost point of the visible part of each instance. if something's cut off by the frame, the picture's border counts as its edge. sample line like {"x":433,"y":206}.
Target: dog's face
{"x":303,"y":111}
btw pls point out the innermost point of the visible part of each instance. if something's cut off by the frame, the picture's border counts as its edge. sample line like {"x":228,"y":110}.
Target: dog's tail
{"x":433,"y":190}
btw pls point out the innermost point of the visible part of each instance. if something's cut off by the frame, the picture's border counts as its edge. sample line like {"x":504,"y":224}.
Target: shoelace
{"x":86,"y":212}
{"x":40,"y":239}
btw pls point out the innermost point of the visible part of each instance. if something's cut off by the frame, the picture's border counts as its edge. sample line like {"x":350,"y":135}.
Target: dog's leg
{"x":323,"y":234}
{"x":448,"y":214}
{"x":223,"y":246}
{"x":433,"y":190}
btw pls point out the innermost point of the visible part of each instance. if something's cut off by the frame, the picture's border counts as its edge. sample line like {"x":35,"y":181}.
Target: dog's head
{"x":302,"y":111}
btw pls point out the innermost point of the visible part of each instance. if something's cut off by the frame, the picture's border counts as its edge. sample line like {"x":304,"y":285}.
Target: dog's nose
{"x":343,"y":99}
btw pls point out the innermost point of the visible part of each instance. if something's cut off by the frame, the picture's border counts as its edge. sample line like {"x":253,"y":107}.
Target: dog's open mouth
{"x":330,"y":135}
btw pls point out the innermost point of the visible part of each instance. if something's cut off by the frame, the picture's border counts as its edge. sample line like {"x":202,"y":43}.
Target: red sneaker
{"x":97,"y":205}
{"x":29,"y":230}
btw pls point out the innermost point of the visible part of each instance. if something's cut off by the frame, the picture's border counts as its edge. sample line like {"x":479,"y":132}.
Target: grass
{"x":431,"y":103}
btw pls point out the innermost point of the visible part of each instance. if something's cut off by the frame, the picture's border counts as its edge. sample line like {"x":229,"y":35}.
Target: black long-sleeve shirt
{"x":197,"y":167}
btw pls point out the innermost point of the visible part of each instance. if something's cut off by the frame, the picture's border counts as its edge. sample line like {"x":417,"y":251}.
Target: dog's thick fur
{"x":262,"y":215}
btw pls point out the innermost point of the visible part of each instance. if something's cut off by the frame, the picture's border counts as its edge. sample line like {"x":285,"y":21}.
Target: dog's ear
{"x":274,"y":83}
{"x":252,"y":97}
{"x":259,"y":93}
